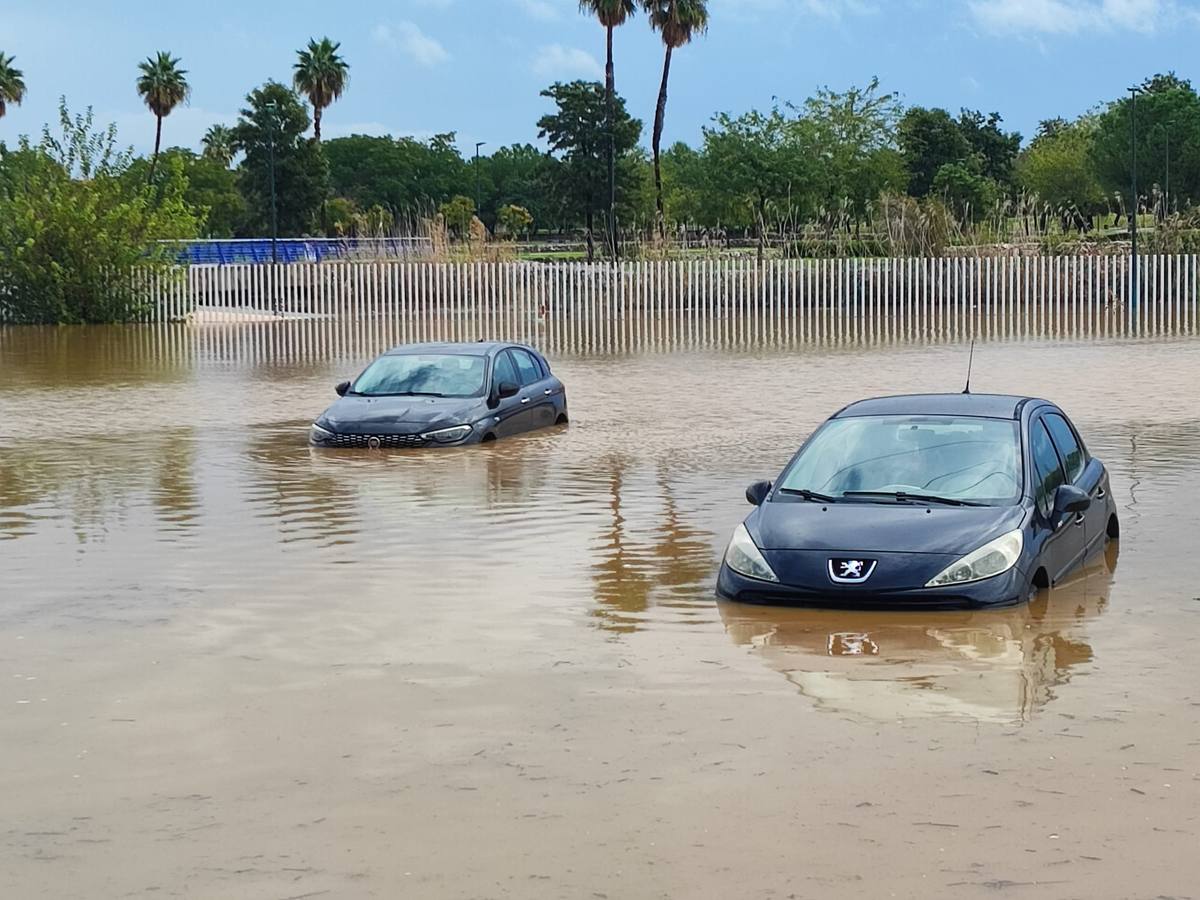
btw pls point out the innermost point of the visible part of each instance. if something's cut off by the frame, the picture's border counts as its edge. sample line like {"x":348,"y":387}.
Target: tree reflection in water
{"x":648,"y":554}
{"x":997,"y":665}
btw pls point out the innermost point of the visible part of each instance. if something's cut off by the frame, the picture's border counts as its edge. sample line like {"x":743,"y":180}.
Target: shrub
{"x":74,"y":225}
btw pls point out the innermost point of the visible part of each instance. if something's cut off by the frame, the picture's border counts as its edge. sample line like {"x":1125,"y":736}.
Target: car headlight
{"x":988,"y":561}
{"x":319,"y":435}
{"x":744,"y":557}
{"x":449,"y":435}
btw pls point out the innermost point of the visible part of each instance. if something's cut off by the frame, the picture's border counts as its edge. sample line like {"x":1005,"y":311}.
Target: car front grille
{"x":384,"y":441}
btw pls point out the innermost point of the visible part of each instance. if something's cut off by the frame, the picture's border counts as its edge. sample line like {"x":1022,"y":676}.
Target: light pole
{"x":478,"y":211}
{"x":1167,"y":189}
{"x":1133,"y":201}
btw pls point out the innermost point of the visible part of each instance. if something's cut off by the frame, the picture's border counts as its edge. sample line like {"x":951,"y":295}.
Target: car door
{"x":1085,"y":474}
{"x":536,"y":394}
{"x":512,"y":414}
{"x":1065,"y":537}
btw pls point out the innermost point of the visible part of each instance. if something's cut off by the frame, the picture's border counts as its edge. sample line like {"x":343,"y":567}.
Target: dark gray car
{"x":423,"y":395}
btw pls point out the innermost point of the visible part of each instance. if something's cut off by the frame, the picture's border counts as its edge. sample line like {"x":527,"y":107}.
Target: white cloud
{"x":555,"y":60}
{"x":410,"y":40}
{"x":825,"y":9}
{"x":1040,"y":17}
{"x":542,"y":10}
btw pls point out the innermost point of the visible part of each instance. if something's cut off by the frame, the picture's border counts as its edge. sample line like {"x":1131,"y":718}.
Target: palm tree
{"x":12,"y":84}
{"x":612,"y":15}
{"x":219,"y":144}
{"x":677,"y":21}
{"x":163,"y":85}
{"x":322,"y":75}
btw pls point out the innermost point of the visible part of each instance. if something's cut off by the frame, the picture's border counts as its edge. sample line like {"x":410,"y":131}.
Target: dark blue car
{"x":443,"y":395}
{"x":946,"y":500}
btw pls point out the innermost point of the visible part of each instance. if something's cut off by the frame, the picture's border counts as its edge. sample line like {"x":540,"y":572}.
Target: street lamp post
{"x":478,"y":144}
{"x":1135,"y":293}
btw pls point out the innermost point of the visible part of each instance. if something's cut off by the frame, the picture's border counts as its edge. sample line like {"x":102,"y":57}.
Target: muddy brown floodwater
{"x":232,"y":667}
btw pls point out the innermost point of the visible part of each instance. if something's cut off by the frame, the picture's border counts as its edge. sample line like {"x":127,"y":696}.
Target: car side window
{"x":530,"y":371}
{"x":1067,"y":445}
{"x":1048,"y":470}
{"x":505,"y":371}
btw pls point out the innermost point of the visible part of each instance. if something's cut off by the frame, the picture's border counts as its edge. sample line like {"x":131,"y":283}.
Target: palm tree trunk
{"x":157,"y":147}
{"x":317,"y":123}
{"x":660,"y":115}
{"x":610,"y":89}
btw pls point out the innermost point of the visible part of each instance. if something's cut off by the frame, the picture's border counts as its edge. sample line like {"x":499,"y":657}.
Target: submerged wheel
{"x":562,"y":420}
{"x":1114,"y":527}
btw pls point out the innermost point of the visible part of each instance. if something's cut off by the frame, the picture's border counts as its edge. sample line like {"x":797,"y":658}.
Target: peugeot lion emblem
{"x":374,"y":443}
{"x":851,"y":571}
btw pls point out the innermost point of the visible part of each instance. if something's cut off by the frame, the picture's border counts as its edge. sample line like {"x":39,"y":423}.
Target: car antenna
{"x":970,"y":366}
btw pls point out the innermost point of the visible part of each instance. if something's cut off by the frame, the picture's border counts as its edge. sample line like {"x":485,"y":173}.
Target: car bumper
{"x":347,"y":441}
{"x":1008,"y":589}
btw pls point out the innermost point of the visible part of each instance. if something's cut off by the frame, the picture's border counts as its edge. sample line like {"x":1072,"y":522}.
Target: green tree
{"x":677,"y":22}
{"x":1057,"y":168}
{"x":276,"y":116}
{"x":12,"y":84}
{"x":321,"y":75}
{"x":612,"y":14}
{"x":458,"y":213}
{"x":577,"y":132}
{"x":514,"y":220}
{"x":211,"y":190}
{"x":219,"y":144}
{"x":966,"y":190}
{"x":162,"y":86}
{"x":929,"y":139}
{"x":996,"y":149}
{"x":1168,"y":123}
{"x":403,"y":175}
{"x":74,"y":226}
{"x":756,"y":168}
{"x":853,"y":136}
{"x":514,"y":176}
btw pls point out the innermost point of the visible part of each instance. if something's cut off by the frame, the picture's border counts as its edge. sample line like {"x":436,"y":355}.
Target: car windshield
{"x":433,"y":375}
{"x":972,"y":460}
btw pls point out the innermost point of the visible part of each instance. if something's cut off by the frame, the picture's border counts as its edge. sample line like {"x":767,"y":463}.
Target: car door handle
{"x":524,"y":399}
{"x":549,"y":392}
{"x":1101,"y":494}
{"x":1080,"y":518}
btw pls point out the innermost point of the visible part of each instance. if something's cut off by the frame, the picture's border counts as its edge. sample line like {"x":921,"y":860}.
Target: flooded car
{"x":934,"y":500}
{"x":425,"y":395}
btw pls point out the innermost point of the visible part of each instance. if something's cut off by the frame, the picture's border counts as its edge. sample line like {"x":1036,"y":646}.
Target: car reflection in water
{"x":996,"y":665}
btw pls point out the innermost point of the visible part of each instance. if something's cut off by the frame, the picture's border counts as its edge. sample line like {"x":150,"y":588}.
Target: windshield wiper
{"x":811,"y":496}
{"x":408,"y":394}
{"x":901,"y":496}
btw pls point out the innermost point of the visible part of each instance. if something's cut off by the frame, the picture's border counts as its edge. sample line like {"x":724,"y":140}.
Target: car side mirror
{"x":343,"y":389}
{"x":507,"y":389}
{"x":757,"y":493}
{"x":1070,"y":500}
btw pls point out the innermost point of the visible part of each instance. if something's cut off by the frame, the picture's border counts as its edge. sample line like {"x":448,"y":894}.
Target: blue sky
{"x":475,"y":67}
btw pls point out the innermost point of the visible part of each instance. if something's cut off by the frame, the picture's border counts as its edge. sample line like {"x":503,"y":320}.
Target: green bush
{"x":75,"y":226}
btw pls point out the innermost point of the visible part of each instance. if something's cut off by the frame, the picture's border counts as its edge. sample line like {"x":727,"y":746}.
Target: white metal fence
{"x":717,"y":302}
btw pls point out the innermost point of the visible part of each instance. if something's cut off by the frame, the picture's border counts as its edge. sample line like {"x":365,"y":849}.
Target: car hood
{"x":399,"y":415}
{"x":880,"y":527}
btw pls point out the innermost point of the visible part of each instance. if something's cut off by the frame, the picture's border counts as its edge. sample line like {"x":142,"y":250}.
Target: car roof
{"x":476,"y":348}
{"x":988,"y":406}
